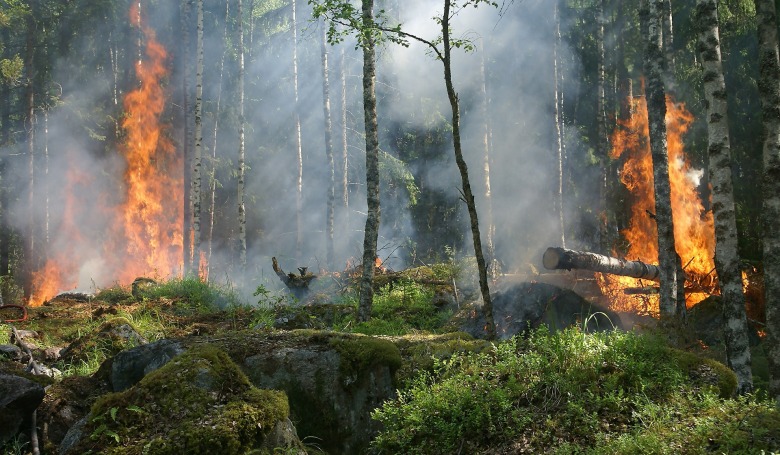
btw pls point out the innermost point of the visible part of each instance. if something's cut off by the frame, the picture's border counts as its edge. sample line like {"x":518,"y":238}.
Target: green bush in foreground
{"x":571,"y":392}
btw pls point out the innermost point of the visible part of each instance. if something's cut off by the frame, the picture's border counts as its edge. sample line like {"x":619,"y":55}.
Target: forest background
{"x":541,"y":94}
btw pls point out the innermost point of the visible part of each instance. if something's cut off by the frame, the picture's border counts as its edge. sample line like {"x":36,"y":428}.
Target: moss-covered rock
{"x":110,"y":338}
{"x":198,"y":403}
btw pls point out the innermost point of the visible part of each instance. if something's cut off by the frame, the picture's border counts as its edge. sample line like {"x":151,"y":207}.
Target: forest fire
{"x":693,"y":226}
{"x":145,"y":227}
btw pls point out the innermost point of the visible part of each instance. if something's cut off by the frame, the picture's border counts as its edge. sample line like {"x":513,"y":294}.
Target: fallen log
{"x":560,"y":258}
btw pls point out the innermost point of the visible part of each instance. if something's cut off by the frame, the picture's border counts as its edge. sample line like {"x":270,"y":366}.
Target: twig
{"x":34,"y":434}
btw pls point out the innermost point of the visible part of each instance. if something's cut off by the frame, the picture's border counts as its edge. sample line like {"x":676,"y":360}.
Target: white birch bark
{"x":719,"y":151}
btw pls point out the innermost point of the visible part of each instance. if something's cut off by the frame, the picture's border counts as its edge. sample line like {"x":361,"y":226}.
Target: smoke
{"x":85,"y":170}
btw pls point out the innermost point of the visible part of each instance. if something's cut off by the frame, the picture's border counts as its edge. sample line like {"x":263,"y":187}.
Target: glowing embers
{"x":693,"y":226}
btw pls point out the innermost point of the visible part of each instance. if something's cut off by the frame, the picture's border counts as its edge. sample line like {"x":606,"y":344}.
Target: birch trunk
{"x":197,"y":158}
{"x":601,"y":130}
{"x":487,"y":308}
{"x":29,"y":126}
{"x":298,"y":141}
{"x":328,"y":152}
{"x":668,"y":38}
{"x":719,"y":151}
{"x":371,"y":232}
{"x":769,"y":89}
{"x":187,"y":131}
{"x":213,"y":169}
{"x":656,"y":108}
{"x":486,"y":160}
{"x":241,"y":139}
{"x":558,"y":130}
{"x":344,"y":144}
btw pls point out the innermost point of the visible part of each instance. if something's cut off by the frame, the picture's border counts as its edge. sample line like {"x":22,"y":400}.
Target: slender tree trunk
{"x":29,"y":67}
{"x":328,"y":152}
{"x":241,"y":153}
{"x":719,"y":150}
{"x":187,"y":141}
{"x":769,"y":89}
{"x":196,"y":160}
{"x":344,"y":144}
{"x":558,"y":131}
{"x":602,"y":140}
{"x":371,"y":232}
{"x":487,"y":307}
{"x":493,"y":267}
{"x":656,"y":108}
{"x":46,"y":187}
{"x":668,"y":39}
{"x":213,"y":169}
{"x":298,"y":141}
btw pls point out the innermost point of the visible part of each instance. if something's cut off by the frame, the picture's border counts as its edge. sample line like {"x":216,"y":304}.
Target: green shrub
{"x":551,"y":390}
{"x":194,"y":294}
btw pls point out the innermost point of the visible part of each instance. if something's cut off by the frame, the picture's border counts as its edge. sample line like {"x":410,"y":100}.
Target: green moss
{"x":707,"y":372}
{"x":198,"y":403}
{"x":362,"y":353}
{"x":420,"y":352}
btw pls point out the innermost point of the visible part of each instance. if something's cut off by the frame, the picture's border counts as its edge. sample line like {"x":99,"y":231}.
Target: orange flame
{"x":693,"y":226}
{"x":146,"y":229}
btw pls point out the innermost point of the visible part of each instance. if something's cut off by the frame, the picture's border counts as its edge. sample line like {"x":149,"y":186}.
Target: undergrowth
{"x":570,"y":392}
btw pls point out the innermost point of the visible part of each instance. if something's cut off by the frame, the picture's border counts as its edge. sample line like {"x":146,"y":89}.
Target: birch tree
{"x":769,"y":90}
{"x":656,"y":111}
{"x":241,"y":140}
{"x":196,"y":159}
{"x":298,"y":140}
{"x":328,"y":151}
{"x":719,"y":151}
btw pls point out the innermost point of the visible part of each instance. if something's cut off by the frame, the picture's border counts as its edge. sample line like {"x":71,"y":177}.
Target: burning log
{"x":560,"y":258}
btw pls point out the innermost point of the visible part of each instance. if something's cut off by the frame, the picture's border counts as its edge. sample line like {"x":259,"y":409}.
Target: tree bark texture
{"x":719,"y":151}
{"x":601,"y":130}
{"x":468,"y":195}
{"x":656,"y":109}
{"x":560,"y":258}
{"x":329,"y":215}
{"x":486,"y":161}
{"x":344,"y":144}
{"x":769,"y":90}
{"x":241,"y":142}
{"x":372,"y":163}
{"x":558,"y":131}
{"x":197,"y":157}
{"x":29,"y":126}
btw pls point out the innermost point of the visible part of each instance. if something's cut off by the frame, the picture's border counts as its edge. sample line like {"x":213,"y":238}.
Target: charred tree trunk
{"x":561,"y":258}
{"x":769,"y":89}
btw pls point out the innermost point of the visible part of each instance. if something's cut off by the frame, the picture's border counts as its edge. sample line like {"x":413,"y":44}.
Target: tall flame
{"x":693,"y":225}
{"x":145,"y":229}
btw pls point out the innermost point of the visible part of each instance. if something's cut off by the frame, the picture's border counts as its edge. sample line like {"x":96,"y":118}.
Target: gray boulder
{"x":19,"y":397}
{"x":130,"y":366}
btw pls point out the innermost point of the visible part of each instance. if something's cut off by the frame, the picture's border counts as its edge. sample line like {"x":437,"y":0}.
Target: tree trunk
{"x":602,"y":140}
{"x":328,"y":153}
{"x":558,"y":130}
{"x":298,"y":141}
{"x":187,"y":141}
{"x":344,"y":144}
{"x":371,"y":232}
{"x":213,"y":169}
{"x":29,"y":125}
{"x":769,"y":90}
{"x":486,"y":160}
{"x":668,"y":38}
{"x":241,"y":145}
{"x":561,"y":258}
{"x":196,"y":160}
{"x":719,"y":150}
{"x":464,"y":175}
{"x":656,"y":109}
